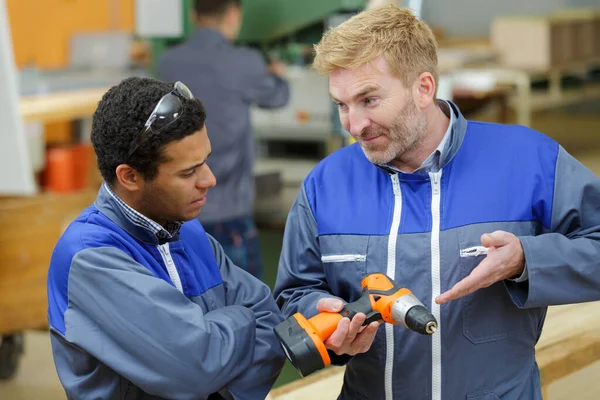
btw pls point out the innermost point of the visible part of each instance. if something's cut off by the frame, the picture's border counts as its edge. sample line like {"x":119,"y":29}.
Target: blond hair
{"x":407,"y":44}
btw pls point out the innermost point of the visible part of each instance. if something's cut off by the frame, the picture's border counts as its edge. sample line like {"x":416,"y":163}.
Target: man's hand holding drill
{"x":350,"y":337}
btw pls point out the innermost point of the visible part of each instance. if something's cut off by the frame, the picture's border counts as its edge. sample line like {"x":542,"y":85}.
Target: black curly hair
{"x":120,"y":117}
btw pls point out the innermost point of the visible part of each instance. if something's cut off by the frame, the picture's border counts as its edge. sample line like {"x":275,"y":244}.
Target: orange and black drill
{"x":303,"y":339}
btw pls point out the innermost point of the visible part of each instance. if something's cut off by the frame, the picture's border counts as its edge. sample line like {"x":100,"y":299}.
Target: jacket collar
{"x":457,"y":135}
{"x":135,"y":224}
{"x":447,"y":152}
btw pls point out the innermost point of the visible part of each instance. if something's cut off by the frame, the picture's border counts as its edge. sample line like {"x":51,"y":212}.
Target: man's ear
{"x":424,"y":90}
{"x":129,"y":178}
{"x":233,"y":13}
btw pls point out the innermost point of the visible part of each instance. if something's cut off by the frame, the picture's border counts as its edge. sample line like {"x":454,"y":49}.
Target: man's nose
{"x":358,"y":122}
{"x":207,"y":180}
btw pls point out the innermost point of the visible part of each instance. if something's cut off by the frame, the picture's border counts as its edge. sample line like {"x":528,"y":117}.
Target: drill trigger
{"x":373,"y":316}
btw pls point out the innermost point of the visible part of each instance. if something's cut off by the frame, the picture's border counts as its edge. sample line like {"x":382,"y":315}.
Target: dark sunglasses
{"x":167,"y":110}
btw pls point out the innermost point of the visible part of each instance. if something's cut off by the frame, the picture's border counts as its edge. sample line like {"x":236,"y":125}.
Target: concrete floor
{"x":577,"y":131}
{"x":36,"y":378}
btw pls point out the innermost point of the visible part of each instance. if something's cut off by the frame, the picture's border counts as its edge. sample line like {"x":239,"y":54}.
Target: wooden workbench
{"x":61,"y":106}
{"x":570,"y":341}
{"x":34,"y":225}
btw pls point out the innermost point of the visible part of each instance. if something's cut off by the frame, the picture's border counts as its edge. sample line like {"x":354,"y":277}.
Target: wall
{"x":41,"y":28}
{"x":16,"y":175}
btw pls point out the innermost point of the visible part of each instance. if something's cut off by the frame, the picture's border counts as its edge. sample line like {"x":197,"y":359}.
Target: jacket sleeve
{"x":563,"y":264}
{"x":261,"y":87}
{"x":243,"y":289}
{"x":150,"y":333}
{"x":301,"y":280}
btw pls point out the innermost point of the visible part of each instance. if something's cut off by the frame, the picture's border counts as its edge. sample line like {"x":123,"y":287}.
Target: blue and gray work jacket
{"x":135,"y":317}
{"x":352,"y":218}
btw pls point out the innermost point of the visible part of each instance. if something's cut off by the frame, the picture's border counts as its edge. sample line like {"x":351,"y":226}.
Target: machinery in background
{"x":305,"y":127}
{"x":271,"y":25}
{"x":282,"y":29}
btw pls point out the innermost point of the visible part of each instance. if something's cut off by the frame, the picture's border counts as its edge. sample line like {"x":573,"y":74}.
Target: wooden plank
{"x":323,"y":384}
{"x":61,"y":106}
{"x":567,"y":356}
{"x":567,"y":321}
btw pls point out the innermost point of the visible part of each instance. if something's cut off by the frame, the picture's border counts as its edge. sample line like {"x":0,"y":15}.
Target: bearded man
{"x":487,"y":224}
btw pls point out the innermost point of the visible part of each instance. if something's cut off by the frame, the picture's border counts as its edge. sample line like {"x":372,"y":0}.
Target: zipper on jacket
{"x":343,"y":258}
{"x":170,"y":264}
{"x":436,"y":339}
{"x":391,"y":272}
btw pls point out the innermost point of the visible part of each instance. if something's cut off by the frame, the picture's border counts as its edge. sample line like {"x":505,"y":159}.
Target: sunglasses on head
{"x":167,"y":110}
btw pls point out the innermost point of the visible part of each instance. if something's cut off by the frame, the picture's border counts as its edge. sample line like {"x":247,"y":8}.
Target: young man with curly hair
{"x":143,"y":304}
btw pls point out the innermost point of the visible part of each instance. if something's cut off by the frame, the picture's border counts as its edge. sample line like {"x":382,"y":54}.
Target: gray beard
{"x":405,"y":134}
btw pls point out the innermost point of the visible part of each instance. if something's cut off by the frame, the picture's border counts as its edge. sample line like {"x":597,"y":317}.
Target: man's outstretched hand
{"x":505,"y":259}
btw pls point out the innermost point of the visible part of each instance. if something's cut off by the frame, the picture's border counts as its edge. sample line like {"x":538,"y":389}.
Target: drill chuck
{"x":407,"y":310}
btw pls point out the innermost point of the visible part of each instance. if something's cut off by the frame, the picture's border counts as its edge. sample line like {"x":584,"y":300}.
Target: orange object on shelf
{"x":81,"y":165}
{"x":67,"y":168}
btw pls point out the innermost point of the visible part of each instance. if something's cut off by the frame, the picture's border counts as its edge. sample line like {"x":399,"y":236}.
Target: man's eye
{"x":189,"y":174}
{"x":369,"y":101}
{"x":342,"y":106}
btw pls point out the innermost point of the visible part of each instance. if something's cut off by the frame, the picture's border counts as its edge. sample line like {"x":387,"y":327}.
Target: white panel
{"x":16,"y":173}
{"x":415,"y":5}
{"x":159,"y":18}
{"x":307,"y":116}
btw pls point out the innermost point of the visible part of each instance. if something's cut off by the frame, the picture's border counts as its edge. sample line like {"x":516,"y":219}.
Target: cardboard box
{"x":531,"y":42}
{"x":544,"y":42}
{"x":583,"y":39}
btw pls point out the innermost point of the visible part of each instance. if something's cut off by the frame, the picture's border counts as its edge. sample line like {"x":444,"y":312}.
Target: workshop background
{"x":535,"y":63}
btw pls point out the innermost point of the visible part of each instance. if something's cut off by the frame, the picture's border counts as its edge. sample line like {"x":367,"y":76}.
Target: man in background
{"x":230,"y":79}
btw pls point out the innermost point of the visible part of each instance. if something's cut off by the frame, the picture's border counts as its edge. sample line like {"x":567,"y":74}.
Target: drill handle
{"x":362,"y":305}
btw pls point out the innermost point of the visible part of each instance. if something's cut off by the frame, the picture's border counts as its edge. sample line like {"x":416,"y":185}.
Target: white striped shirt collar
{"x":140,"y":220}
